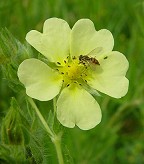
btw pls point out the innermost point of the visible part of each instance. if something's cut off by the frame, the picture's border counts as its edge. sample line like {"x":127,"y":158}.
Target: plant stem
{"x":40,"y":117}
{"x":56,"y":139}
{"x":57,"y":143}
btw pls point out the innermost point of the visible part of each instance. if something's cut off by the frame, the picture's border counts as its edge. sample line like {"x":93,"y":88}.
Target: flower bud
{"x":11,"y":131}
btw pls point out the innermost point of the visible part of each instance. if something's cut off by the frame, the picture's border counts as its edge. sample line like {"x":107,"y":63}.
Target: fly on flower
{"x":74,"y":51}
{"x":90,"y":61}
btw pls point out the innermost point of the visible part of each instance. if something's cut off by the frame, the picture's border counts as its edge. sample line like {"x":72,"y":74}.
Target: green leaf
{"x":12,"y":53}
{"x":50,"y":120}
{"x":13,"y":154}
{"x":12,"y":130}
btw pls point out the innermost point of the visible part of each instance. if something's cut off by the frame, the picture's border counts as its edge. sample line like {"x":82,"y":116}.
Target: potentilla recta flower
{"x":83,"y":62}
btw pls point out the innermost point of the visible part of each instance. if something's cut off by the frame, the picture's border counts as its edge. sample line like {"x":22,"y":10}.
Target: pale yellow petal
{"x":53,"y":43}
{"x":76,"y":106}
{"x":109,"y":77}
{"x":41,"y":81}
{"x":84,"y":38}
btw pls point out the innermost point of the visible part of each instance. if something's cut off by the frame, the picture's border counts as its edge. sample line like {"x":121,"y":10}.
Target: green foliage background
{"x":120,"y":136}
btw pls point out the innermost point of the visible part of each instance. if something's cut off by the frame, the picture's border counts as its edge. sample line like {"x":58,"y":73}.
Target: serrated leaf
{"x":11,"y":130}
{"x":50,"y":120}
{"x":12,"y":53}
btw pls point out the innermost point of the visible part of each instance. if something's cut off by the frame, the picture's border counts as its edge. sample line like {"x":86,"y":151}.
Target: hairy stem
{"x":40,"y":117}
{"x":57,"y":143}
{"x":56,"y":139}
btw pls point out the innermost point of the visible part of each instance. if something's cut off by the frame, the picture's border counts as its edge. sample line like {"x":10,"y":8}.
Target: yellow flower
{"x":84,"y":62}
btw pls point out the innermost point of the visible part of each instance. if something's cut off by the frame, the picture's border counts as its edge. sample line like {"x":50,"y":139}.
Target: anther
{"x":62,"y":72}
{"x":57,"y":69}
{"x":68,"y":65}
{"x":74,"y":58}
{"x":59,"y":63}
{"x":86,"y":81}
{"x":80,"y":84}
{"x":64,"y":61}
{"x":105,"y":57}
{"x":62,"y":80}
{"x":68,"y":85}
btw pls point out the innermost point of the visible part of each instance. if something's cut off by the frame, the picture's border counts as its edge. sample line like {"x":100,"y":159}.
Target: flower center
{"x":73,"y":71}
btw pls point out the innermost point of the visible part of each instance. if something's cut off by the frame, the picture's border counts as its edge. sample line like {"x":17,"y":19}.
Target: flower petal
{"x":75,"y":106}
{"x":109,"y":77}
{"x":84,"y":38}
{"x":41,"y":81}
{"x":53,"y":43}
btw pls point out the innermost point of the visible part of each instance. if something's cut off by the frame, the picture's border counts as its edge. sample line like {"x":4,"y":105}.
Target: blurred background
{"x":120,"y":136}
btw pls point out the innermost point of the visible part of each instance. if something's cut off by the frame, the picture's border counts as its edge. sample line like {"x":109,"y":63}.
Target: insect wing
{"x":95,"y":52}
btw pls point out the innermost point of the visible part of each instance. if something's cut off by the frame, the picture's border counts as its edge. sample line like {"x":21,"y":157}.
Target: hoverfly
{"x":90,"y":60}
{"x":86,"y":59}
